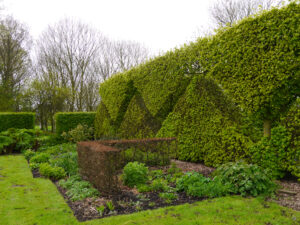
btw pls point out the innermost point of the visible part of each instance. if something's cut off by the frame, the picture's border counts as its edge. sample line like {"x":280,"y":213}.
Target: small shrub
{"x":34,"y":166}
{"x":4,"y":143}
{"x":189,"y":179}
{"x":159,"y":185}
{"x":246,"y":179}
{"x":135,"y":173}
{"x":211,"y":188}
{"x":40,"y":158}
{"x":144,"y":188}
{"x":54,"y":173}
{"x":172,"y":178}
{"x":80,"y":133}
{"x":195,"y":184}
{"x":67,"y":161}
{"x":28,"y":154}
{"x":154,"y":174}
{"x":78,"y":189}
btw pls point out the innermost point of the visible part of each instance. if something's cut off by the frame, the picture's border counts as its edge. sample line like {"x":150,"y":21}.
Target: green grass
{"x":24,"y":200}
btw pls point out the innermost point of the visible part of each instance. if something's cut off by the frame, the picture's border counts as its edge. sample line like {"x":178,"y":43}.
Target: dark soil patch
{"x":126,"y":202}
{"x":36,"y":173}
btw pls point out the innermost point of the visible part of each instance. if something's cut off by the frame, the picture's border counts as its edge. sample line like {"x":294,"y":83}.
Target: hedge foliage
{"x":116,"y":93}
{"x":22,"y":120}
{"x":257,"y":61}
{"x":138,"y":121}
{"x":161,"y":81}
{"x":70,"y":120}
{"x":213,"y":94}
{"x":103,"y":126}
{"x":206,"y":124}
{"x":277,"y":153}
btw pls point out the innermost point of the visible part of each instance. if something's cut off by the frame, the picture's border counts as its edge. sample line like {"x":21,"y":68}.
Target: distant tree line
{"x":64,"y":69}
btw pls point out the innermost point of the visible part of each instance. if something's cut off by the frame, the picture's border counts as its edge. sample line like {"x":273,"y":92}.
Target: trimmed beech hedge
{"x":209,"y":93}
{"x":257,"y":61}
{"x":206,"y":124}
{"x":138,"y":121}
{"x":116,"y":93}
{"x":104,"y":128}
{"x":22,"y":120}
{"x":66,"y":121}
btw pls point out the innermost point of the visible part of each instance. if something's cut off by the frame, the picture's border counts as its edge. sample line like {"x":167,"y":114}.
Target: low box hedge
{"x":22,"y":120}
{"x":66,"y":121}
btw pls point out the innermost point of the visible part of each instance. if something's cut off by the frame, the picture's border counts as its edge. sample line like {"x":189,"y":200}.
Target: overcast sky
{"x":158,"y":24}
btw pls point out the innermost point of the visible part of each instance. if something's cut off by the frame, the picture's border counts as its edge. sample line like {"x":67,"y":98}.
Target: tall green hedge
{"x":162,"y":81}
{"x":116,"y":93}
{"x":258,"y":62}
{"x":17,"y":120}
{"x":206,"y":123}
{"x":66,"y":121}
{"x":104,"y":128}
{"x":212,"y":94}
{"x":138,"y":121}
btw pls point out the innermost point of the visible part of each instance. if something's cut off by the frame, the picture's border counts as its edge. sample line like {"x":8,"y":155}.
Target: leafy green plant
{"x":154,"y":174}
{"x":34,"y":166}
{"x":80,"y":133}
{"x":189,"y":179}
{"x":209,"y":188}
{"x":54,"y":173}
{"x":195,"y":184}
{"x":144,"y":188}
{"x":78,"y":189}
{"x":40,"y":158}
{"x":135,"y":173}
{"x":67,"y":161}
{"x":4,"y":143}
{"x":110,"y":206}
{"x":101,"y":209}
{"x":58,"y":149}
{"x":28,"y":154}
{"x":159,"y":184}
{"x":168,"y":197}
{"x":246,"y":179}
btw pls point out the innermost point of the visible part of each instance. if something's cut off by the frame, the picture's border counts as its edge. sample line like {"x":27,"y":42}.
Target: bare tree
{"x":68,"y":49}
{"x":226,"y":12}
{"x":80,"y":58}
{"x":14,"y":61}
{"x":129,"y":54}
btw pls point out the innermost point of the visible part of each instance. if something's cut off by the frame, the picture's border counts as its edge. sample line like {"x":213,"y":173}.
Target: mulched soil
{"x":129,"y":200}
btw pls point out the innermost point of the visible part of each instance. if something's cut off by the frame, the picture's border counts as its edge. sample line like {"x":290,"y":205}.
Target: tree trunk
{"x":267,"y":128}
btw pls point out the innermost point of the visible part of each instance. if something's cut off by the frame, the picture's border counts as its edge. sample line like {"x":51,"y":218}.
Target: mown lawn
{"x":25,"y":200}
